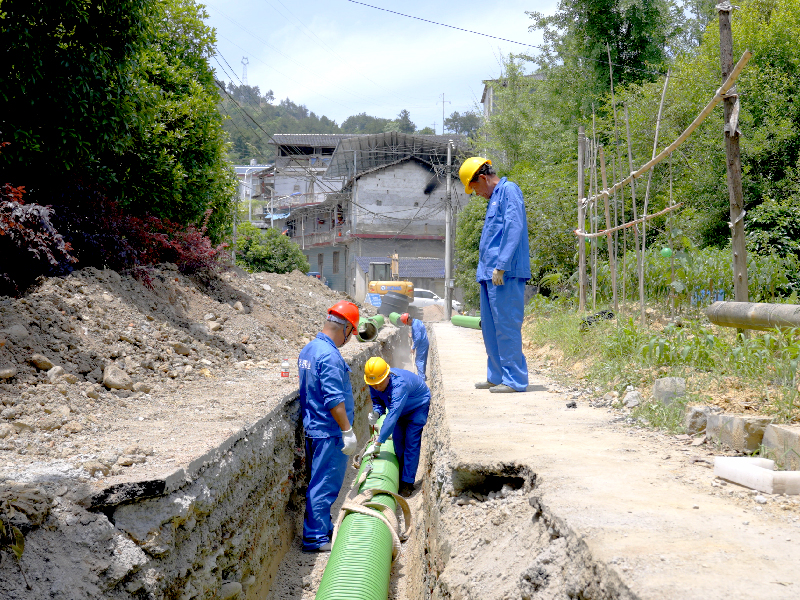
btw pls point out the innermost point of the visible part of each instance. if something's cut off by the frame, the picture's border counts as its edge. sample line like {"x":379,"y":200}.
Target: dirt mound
{"x":78,"y":348}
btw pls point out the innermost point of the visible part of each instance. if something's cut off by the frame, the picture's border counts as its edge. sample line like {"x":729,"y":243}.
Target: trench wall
{"x":217,"y":529}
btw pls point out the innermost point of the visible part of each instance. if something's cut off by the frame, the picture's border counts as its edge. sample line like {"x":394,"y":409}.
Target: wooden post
{"x":581,"y":221}
{"x":734,"y":163}
{"x":639,"y":257}
{"x":612,"y":259}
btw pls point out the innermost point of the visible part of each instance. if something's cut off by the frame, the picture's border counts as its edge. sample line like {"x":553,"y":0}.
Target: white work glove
{"x":497,"y":277}
{"x":373,"y":449}
{"x":372,"y":419}
{"x":350,"y":442}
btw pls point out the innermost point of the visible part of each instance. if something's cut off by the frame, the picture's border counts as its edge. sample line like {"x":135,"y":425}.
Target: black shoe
{"x":406,"y":489}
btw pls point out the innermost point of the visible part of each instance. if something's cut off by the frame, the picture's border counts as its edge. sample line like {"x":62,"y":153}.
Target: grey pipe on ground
{"x":754,"y":315}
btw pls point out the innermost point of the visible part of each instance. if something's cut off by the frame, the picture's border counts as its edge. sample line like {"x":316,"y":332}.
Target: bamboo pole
{"x":721,"y":92}
{"x":629,"y":224}
{"x":581,"y":221}
{"x":671,"y":251}
{"x":639,"y":257}
{"x":594,"y":212}
{"x":612,"y":259}
{"x":617,"y":160}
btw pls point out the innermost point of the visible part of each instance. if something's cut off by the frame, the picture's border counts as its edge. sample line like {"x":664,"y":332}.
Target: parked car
{"x":426,"y":297}
{"x":318,"y":275}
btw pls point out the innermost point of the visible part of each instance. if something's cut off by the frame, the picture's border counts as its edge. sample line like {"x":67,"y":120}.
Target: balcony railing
{"x":338,"y":235}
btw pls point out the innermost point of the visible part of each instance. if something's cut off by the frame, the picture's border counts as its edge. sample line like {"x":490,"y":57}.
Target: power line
{"x":494,"y":37}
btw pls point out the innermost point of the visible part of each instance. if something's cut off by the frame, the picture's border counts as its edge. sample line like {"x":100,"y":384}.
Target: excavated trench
{"x":226,"y":525}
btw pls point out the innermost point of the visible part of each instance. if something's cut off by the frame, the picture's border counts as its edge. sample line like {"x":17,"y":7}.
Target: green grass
{"x":761,"y":368}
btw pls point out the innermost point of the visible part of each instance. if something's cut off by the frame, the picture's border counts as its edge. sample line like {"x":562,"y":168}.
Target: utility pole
{"x":581,"y":221}
{"x":448,"y":243}
{"x":732,"y":155}
{"x":443,"y":101}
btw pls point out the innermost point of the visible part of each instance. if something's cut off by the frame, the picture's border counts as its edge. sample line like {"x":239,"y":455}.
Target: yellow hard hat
{"x":376,"y":370}
{"x":469,"y":168}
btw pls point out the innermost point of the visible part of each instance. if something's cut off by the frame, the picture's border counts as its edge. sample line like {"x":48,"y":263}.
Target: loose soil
{"x":201,"y":357}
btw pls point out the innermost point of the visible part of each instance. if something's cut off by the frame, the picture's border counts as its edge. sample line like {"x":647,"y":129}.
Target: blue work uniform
{"x":504,"y":246}
{"x":324,"y":383}
{"x":406,"y":400}
{"x":419,"y":343}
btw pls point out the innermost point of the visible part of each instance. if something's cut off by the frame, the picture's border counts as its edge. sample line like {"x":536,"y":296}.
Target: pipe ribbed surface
{"x":360,"y":564}
{"x":465,"y":321}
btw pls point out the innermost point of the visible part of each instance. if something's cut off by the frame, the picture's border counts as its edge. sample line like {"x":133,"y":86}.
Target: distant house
{"x":391,"y":200}
{"x":489,"y":85}
{"x":424,"y":273}
{"x":256,"y":186}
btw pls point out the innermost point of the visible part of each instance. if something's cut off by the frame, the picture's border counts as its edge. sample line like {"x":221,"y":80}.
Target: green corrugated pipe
{"x":464,"y":321}
{"x":395,"y":319}
{"x":368,"y":328}
{"x":360,"y":564}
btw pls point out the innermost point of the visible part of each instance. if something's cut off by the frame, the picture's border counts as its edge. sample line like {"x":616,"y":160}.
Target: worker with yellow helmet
{"x":406,"y":399}
{"x":504,"y":266}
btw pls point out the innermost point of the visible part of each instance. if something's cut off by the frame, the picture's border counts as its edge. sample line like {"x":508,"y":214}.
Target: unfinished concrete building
{"x":392,"y":200}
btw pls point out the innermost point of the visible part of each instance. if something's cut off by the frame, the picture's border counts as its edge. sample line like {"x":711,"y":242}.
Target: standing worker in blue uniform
{"x":419,"y":343}
{"x":326,"y":402}
{"x":504,"y":266}
{"x":406,"y":399}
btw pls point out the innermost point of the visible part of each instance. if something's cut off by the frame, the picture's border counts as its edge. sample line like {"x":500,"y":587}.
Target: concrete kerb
{"x":221,"y":518}
{"x":782,"y":444}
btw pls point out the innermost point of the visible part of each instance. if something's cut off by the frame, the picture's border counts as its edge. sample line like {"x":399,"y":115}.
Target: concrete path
{"x":617,"y":489}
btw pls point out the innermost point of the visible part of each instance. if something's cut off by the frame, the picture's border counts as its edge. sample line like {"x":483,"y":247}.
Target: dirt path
{"x":612,"y":507}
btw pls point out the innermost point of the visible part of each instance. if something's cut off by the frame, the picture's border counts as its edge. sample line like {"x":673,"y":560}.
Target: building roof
{"x":252,"y":169}
{"x":427,"y":268}
{"x":368,"y":152}
{"x":327,"y":140}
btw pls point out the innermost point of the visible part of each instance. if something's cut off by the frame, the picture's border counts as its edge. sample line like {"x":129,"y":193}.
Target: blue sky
{"x":340,"y":58}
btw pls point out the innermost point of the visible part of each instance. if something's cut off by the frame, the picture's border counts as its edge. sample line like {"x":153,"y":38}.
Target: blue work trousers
{"x":502,"y":311}
{"x":328,"y":465}
{"x":421,"y":361}
{"x":407,"y":438}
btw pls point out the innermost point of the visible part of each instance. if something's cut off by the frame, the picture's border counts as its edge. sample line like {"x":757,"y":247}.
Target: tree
{"x":268,"y":250}
{"x":176,"y":167}
{"x":637,"y":32}
{"x":466,"y":124}
{"x":404,"y":122}
{"x":426,"y":131}
{"x":66,"y":82}
{"x":363,"y":123}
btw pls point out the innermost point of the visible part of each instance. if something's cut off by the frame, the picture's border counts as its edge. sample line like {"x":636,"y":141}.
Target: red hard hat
{"x":405,"y":318}
{"x":345,"y":310}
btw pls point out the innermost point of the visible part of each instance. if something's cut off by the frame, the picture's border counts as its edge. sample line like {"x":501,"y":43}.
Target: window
{"x":422,"y":294}
{"x":320,"y":262}
{"x":335,"y":262}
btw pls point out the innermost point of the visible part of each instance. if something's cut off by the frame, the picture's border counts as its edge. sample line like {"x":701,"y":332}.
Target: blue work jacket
{"x":405,"y":393}
{"x":419,"y":335}
{"x":324,"y":383}
{"x":504,"y":239}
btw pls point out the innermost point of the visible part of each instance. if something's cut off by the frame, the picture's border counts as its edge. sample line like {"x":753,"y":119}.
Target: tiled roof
{"x":428,"y":268}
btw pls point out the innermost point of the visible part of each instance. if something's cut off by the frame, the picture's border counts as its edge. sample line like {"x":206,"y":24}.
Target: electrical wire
{"x":494,"y":37}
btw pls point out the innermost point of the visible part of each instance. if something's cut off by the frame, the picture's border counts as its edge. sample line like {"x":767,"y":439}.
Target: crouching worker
{"x":419,"y":343}
{"x":406,"y":399}
{"x":327,"y":406}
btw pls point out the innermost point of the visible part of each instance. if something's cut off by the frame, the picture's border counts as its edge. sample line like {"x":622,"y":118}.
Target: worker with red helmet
{"x":327,"y":407}
{"x":419,"y":343}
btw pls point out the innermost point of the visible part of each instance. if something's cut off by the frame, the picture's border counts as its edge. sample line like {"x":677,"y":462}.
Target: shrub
{"x":29,"y":244}
{"x":268,"y":250}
